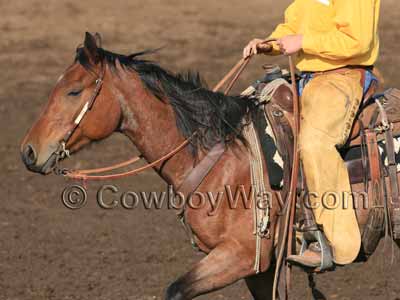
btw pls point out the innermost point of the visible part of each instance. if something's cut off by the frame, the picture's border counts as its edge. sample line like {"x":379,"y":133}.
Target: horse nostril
{"x":29,"y":155}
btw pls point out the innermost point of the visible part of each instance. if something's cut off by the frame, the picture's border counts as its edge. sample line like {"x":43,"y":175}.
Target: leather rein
{"x":92,"y":174}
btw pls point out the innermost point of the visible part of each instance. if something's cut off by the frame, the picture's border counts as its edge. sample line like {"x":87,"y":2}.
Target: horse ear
{"x":98,"y":39}
{"x":90,"y":47}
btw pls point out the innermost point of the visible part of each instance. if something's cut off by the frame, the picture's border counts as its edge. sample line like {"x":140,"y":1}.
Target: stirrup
{"x":317,"y":236}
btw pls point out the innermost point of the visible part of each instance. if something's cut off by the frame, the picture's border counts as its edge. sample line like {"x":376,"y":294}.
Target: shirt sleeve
{"x":352,"y":35}
{"x":289,"y":27}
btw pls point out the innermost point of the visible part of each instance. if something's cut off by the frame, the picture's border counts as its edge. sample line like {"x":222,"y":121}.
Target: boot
{"x":315,"y":252}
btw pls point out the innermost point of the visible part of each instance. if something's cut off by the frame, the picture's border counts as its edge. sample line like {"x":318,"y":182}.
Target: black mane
{"x":214,"y":117}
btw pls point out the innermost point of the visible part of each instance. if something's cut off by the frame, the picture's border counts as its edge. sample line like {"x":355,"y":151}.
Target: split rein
{"x":93,"y":174}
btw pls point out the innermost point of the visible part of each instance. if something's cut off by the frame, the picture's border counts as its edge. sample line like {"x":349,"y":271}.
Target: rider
{"x":335,"y":43}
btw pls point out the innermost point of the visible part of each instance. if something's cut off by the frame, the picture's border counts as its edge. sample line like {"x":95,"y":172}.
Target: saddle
{"x":376,"y":123}
{"x":377,"y":113}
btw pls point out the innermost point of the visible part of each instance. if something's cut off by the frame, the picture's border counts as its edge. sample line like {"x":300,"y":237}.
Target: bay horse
{"x":158,"y":110}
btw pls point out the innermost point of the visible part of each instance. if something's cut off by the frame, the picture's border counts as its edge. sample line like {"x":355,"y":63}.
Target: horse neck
{"x":151,"y":126}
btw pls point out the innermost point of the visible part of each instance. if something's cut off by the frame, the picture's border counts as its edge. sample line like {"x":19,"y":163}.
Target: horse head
{"x":67,"y":121}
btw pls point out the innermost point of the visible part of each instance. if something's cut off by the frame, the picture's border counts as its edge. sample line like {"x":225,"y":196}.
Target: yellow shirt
{"x":336,"y":33}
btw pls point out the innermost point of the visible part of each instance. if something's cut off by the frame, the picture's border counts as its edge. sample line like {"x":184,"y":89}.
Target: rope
{"x":260,"y":215}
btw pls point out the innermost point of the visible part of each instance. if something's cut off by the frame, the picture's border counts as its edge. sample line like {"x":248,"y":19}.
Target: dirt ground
{"x":50,"y":252}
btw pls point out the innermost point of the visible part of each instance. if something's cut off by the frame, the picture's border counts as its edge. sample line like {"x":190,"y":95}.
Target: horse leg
{"x":261,"y":285}
{"x":224,"y":265}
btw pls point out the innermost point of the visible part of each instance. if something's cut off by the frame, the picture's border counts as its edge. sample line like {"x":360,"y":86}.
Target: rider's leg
{"x":329,"y":104}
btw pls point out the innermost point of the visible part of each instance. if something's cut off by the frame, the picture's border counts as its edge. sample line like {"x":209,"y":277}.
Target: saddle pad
{"x":272,"y":157}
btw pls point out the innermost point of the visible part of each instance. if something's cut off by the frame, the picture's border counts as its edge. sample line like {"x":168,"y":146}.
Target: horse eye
{"x":75,"y":93}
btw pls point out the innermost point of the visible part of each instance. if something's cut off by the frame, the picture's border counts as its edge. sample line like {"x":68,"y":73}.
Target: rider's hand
{"x":255,"y":47}
{"x":290,"y":44}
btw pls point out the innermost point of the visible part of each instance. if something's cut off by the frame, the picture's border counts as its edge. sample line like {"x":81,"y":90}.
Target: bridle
{"x":62,"y":152}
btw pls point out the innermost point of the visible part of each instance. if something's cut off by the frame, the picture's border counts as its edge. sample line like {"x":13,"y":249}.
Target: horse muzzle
{"x":30,"y":158}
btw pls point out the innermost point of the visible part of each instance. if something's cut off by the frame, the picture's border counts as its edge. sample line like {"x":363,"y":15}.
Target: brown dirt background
{"x":50,"y":252}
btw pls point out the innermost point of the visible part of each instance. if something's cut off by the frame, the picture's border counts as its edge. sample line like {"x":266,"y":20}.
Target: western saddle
{"x":378,"y":120}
